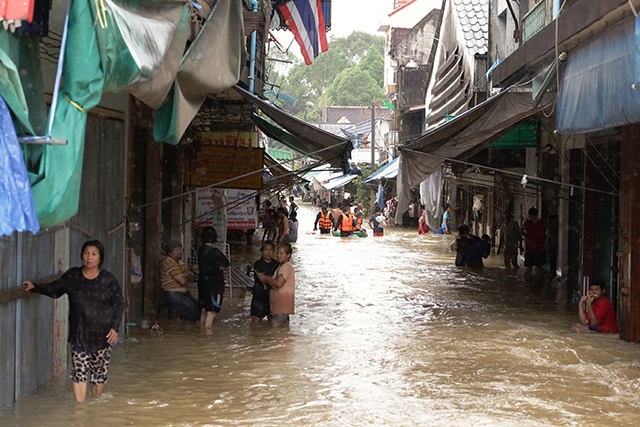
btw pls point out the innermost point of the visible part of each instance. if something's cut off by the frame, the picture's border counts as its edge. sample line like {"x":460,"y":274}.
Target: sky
{"x":348,"y":16}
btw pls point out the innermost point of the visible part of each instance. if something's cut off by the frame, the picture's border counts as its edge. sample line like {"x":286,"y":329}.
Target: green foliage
{"x":354,"y":87}
{"x":360,"y":52}
{"x":373,"y":64}
{"x":363,"y":192}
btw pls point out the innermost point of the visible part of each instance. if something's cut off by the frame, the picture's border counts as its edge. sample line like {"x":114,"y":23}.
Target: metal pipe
{"x":42,"y":140}
{"x":252,"y":53}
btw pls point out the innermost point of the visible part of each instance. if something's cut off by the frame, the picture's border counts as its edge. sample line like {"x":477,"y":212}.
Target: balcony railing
{"x":536,"y":19}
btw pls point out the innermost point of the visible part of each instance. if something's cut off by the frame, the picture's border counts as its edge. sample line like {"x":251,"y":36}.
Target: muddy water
{"x":387,"y":332}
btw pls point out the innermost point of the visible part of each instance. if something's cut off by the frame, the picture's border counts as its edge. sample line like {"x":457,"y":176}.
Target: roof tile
{"x":473,"y":16}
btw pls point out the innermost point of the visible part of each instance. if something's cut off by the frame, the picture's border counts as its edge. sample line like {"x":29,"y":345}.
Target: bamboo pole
{"x":12,"y":294}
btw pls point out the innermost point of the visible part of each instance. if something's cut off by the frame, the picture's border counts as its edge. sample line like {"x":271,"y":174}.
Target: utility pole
{"x":372,"y":141}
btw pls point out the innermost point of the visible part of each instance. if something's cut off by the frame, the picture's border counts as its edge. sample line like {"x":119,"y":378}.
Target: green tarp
{"x":56,"y":186}
{"x":112,"y":49}
{"x":275,"y":132}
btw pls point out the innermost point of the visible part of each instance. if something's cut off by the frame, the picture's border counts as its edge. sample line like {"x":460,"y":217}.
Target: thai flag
{"x":306,"y":21}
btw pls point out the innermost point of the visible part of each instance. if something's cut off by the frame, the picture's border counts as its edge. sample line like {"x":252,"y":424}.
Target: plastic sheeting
{"x":595,"y":91}
{"x":17,"y":211}
{"x":474,"y":129}
{"x":211,"y":65}
{"x":97,"y":58}
{"x":21,"y":82}
{"x":390,"y":170}
{"x":322,"y":144}
{"x":338,"y":182}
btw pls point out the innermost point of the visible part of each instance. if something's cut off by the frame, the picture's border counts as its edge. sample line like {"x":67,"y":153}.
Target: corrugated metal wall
{"x":102,"y":205}
{"x":27,"y":325}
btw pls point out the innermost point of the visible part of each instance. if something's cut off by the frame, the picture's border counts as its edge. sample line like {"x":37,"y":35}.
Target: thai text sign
{"x":242,"y":212}
{"x":227,"y":167}
{"x":209,"y":211}
{"x":232,"y":138}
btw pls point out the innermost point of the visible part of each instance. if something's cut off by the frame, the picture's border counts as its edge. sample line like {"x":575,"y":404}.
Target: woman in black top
{"x":268,"y":265}
{"x":211,"y":261}
{"x":95,"y":313}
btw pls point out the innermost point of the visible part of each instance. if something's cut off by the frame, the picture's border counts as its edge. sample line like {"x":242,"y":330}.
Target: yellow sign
{"x":230,"y":167}
{"x":232,"y":138}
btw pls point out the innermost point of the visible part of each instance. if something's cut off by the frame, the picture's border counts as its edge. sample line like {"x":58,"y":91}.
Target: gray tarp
{"x":211,"y":65}
{"x":462,"y":136}
{"x":335,"y":150}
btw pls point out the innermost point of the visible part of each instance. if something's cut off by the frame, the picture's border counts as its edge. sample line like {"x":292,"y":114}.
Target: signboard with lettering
{"x":242,"y":212}
{"x":227,"y":167}
{"x":232,"y":138}
{"x":207,"y":212}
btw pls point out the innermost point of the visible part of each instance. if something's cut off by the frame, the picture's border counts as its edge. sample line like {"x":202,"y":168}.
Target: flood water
{"x":387,"y":332}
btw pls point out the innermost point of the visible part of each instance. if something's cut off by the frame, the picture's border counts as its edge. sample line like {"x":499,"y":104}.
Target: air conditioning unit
{"x":390,"y":89}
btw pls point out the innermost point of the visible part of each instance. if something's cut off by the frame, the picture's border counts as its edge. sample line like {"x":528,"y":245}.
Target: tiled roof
{"x":473,"y":16}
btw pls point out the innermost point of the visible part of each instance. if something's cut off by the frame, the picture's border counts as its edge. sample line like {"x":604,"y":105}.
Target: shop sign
{"x":207,"y":214}
{"x":242,"y":212}
{"x":232,"y":138}
{"x":226,"y":167}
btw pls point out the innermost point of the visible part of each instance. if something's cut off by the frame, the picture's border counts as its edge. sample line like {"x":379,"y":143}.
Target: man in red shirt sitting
{"x":596,"y":312}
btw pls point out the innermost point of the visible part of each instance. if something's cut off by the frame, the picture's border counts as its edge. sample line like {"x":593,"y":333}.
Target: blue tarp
{"x":596,"y":90}
{"x":339,"y":181}
{"x":17,"y":211}
{"x":390,"y":170}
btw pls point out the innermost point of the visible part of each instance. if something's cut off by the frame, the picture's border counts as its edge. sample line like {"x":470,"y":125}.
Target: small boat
{"x":359,"y":233}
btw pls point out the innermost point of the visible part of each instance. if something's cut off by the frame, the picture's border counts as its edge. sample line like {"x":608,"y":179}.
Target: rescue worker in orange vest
{"x":346,"y":223}
{"x":359,"y":216}
{"x":325,"y":220}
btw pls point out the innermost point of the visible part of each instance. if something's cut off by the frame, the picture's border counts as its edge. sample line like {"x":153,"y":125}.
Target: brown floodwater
{"x":387,"y":332}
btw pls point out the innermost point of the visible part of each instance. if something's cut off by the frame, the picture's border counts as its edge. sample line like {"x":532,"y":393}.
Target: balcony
{"x":536,"y":19}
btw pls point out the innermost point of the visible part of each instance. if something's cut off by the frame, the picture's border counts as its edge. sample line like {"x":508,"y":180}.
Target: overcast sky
{"x":348,"y":16}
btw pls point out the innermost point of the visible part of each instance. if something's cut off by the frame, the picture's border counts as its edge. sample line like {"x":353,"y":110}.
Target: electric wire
{"x":218,"y":184}
{"x":586,"y":137}
{"x":502,"y":171}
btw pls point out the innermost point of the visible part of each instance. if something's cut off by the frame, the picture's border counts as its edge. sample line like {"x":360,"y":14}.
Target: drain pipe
{"x":252,"y":52}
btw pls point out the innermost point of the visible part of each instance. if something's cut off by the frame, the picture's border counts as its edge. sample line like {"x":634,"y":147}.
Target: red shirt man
{"x":534,"y":231}
{"x":596,"y":312}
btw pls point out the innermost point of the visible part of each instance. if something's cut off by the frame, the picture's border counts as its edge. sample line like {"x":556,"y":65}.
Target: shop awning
{"x":279,"y":134}
{"x":275,"y":167}
{"x":595,"y":90}
{"x":324,"y":145}
{"x":390,"y":170}
{"x":339,"y":181}
{"x":461,"y":137}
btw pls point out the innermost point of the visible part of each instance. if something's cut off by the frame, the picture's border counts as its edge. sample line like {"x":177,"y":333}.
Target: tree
{"x":354,"y":86}
{"x":310,"y":84}
{"x":373,"y":64}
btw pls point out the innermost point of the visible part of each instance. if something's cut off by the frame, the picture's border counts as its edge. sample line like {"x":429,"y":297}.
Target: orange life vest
{"x":325,"y":221}
{"x":347,"y":223}
{"x":360,"y":222}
